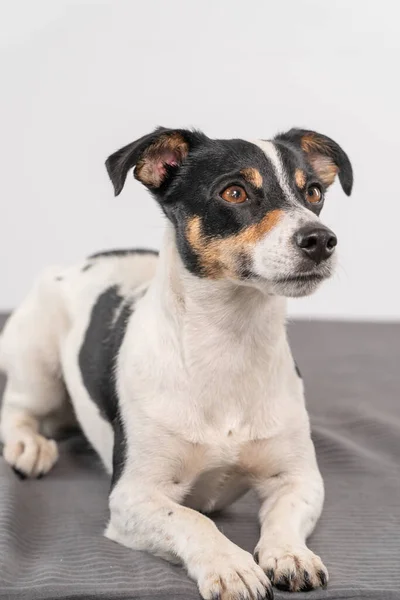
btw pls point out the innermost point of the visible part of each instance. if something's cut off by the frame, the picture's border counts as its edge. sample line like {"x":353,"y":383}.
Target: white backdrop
{"x":80,"y":79}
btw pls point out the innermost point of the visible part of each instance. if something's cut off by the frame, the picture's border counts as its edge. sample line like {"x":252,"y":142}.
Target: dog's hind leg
{"x":29,"y":354}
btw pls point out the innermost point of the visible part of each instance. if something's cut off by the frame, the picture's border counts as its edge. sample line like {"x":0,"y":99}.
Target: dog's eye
{"x":235,"y":194}
{"x":314,"y":194}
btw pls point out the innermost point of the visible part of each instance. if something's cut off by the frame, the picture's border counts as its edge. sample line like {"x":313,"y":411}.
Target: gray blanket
{"x":50,"y":530}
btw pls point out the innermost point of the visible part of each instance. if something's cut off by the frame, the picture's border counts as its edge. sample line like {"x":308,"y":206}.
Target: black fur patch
{"x":97,"y":362}
{"x":213,"y":167}
{"x":122,"y":252}
{"x":244,"y":267}
{"x":119,"y":450}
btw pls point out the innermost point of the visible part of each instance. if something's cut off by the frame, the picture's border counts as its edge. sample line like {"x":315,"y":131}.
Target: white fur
{"x":211,"y":406}
{"x":271,"y":151}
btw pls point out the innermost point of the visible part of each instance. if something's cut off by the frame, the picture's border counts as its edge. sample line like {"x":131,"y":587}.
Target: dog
{"x":178,"y":367}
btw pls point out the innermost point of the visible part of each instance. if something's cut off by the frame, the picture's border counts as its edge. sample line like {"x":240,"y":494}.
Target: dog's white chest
{"x":216,"y":488}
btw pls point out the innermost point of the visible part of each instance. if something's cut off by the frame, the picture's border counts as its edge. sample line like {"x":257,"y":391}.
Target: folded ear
{"x":324,"y":155}
{"x":155,"y":158}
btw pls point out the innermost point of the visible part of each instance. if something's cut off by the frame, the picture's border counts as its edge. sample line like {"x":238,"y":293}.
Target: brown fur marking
{"x":324,"y":167}
{"x":311,"y":143}
{"x":149,"y":169}
{"x":322,"y":164}
{"x":218,"y":255}
{"x":253,"y":176}
{"x":300,"y":178}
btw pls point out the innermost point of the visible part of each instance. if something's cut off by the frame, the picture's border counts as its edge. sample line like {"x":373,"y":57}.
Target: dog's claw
{"x":270,"y":574}
{"x":307,"y":585}
{"x":323,"y":579}
{"x":19,"y":474}
{"x":283,"y":583}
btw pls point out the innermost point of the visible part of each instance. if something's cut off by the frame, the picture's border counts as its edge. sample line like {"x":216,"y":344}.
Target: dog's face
{"x":243,"y":211}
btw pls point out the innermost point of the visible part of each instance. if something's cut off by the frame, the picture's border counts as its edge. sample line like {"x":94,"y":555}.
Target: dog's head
{"x":244,"y":211}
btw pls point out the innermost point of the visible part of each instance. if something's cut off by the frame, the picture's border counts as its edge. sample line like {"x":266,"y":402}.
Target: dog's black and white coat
{"x":178,"y":366}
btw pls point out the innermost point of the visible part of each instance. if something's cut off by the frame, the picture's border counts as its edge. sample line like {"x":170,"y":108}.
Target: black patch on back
{"x":122,"y":252}
{"x":119,"y":451}
{"x":97,"y":361}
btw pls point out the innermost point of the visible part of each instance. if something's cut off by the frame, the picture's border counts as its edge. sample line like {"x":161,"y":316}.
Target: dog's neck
{"x":206,"y":311}
{"x":223,"y":349}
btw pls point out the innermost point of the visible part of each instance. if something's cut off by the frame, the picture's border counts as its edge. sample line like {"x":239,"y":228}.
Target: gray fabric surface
{"x":50,"y":530}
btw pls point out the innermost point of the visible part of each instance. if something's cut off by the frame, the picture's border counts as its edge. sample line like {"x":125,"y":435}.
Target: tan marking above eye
{"x":234,"y":194}
{"x":218,"y":256}
{"x":300,"y":178}
{"x":253,"y":176}
{"x":313,"y":194}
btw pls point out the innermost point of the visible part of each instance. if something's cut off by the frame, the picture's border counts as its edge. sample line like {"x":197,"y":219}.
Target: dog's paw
{"x":31,"y":455}
{"x":233,"y":575}
{"x":292,"y":569}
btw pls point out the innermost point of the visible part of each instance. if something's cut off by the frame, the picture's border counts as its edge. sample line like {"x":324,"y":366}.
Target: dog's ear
{"x":324,"y":155}
{"x":155,"y":157}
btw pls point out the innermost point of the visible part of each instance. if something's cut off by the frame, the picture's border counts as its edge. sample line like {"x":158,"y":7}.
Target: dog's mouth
{"x":302,"y":278}
{"x":300,"y":284}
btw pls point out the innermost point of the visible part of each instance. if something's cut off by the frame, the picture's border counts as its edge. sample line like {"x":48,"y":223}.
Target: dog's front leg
{"x":291,"y":505}
{"x":146,"y":519}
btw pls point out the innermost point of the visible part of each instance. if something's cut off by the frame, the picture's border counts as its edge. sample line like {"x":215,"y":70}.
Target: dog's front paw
{"x":232,"y":575}
{"x":292,"y":569}
{"x":31,"y":455}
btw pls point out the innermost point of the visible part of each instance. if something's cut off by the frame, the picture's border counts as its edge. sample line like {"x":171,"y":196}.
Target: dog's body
{"x":179,"y":370}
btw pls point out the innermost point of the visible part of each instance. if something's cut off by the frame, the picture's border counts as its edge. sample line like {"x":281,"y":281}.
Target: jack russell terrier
{"x":178,"y":367}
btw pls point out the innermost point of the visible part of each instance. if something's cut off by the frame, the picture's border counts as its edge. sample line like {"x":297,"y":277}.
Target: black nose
{"x":318,"y":243}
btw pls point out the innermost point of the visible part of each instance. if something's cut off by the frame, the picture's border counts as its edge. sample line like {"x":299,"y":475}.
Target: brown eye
{"x":235,"y":194}
{"x":313,"y":194}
